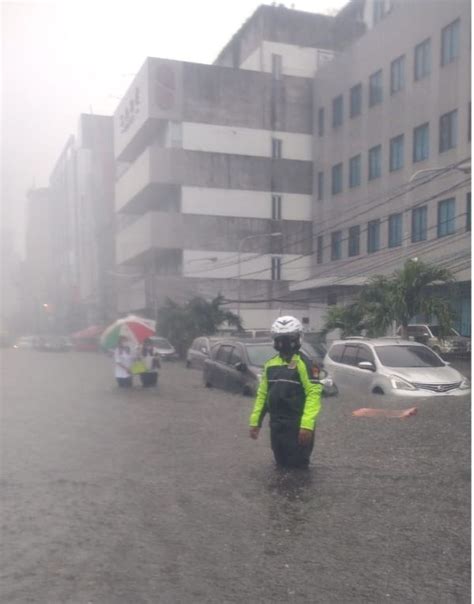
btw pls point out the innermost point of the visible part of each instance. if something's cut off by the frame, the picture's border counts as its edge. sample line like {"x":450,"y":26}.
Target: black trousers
{"x":124,"y":382}
{"x":149,"y":378}
{"x":287,"y":451}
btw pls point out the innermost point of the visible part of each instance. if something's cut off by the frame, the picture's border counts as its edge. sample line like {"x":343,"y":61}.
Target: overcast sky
{"x":63,"y":58}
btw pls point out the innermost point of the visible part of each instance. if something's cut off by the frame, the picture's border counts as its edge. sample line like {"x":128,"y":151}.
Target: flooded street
{"x":159,"y":496}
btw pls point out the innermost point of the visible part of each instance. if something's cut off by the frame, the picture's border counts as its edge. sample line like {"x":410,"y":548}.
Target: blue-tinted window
{"x":354,"y":241}
{"x":336,"y":245}
{"x":421,"y":143}
{"x":448,"y":131}
{"x":336,"y":185}
{"x":375,"y":162}
{"x":337,"y":111}
{"x":395,"y":230}
{"x":396,"y":153}
{"x":446,"y":217}
{"x":375,"y":88}
{"x":397,"y":75}
{"x":356,"y":100}
{"x":373,"y":236}
{"x":450,"y":42}
{"x":419,"y":219}
{"x":354,"y":171}
{"x":423,"y":59}
{"x":320,"y":186}
{"x":321,"y":122}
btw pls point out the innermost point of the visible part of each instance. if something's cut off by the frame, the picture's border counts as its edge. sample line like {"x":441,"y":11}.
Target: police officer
{"x":290,"y":391}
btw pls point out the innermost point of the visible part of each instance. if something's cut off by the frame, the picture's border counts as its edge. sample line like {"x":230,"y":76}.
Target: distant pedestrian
{"x":151,"y":359}
{"x":123,"y":362}
{"x":290,"y":391}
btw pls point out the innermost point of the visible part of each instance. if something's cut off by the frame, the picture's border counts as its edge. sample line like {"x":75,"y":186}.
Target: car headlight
{"x":400,"y":384}
{"x":465,"y":384}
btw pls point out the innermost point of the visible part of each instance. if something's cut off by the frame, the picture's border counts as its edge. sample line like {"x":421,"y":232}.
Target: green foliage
{"x":399,"y":297}
{"x":198,"y":317}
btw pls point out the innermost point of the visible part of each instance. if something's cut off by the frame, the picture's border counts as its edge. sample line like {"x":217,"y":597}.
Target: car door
{"x":220,"y":369}
{"x":235,"y":377}
{"x":365,"y":377}
{"x":347,"y":374}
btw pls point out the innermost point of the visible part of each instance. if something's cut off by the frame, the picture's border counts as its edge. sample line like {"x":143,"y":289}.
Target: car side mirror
{"x":367,"y":365}
{"x":204,"y":350}
{"x":241,"y":366}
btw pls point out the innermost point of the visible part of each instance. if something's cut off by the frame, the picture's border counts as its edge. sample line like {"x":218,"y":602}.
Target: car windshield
{"x":407,"y":356}
{"x":160,"y":343}
{"x":436,"y":331}
{"x":259,"y":353}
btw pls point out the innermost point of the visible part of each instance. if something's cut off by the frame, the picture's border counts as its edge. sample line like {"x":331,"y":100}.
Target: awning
{"x":93,"y":331}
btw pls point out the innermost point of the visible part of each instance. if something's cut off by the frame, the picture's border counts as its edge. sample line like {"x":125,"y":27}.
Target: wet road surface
{"x":134,"y":497}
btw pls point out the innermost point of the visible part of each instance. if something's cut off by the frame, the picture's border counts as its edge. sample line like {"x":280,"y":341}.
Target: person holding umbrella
{"x":151,"y":361}
{"x":123,"y":363}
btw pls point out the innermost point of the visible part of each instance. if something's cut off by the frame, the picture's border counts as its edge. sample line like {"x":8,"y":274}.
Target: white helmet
{"x":285,"y":326}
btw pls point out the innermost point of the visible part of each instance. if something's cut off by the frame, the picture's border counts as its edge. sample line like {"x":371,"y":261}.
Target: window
{"x":450,"y":42}
{"x":276,"y":66}
{"x":321,"y":122}
{"x":354,"y":171}
{"x":276,"y":148}
{"x":446,"y":217}
{"x":397,"y":75}
{"x":350,"y":355}
{"x":356,"y":100}
{"x":375,"y":88}
{"x":332,"y":299}
{"x":235,"y":357}
{"x":336,"y":245}
{"x":222,"y":353}
{"x":276,"y":207}
{"x":421,"y":143}
{"x":468,"y":212}
{"x":373,"y":236}
{"x":337,"y":110}
{"x":335,"y":352}
{"x":365,"y":354}
{"x":423,"y":59}
{"x":418,"y":224}
{"x":396,"y":153}
{"x":336,"y":179}
{"x":276,"y":268}
{"x":375,"y":162}
{"x":395,"y":230}
{"x":448,"y":131}
{"x":320,"y":186}
{"x":319,"y":250}
{"x":354,"y":241}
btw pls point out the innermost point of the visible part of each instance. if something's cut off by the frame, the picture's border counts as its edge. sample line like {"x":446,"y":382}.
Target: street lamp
{"x":241,"y":242}
{"x":465,"y":168}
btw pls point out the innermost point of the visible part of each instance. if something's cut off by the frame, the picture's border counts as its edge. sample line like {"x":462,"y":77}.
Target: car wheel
{"x":378,"y":390}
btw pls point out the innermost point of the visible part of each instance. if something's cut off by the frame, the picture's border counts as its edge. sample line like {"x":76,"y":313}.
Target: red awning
{"x":93,"y":331}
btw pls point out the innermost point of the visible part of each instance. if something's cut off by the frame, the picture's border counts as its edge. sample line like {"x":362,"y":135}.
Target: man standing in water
{"x":291,"y":392}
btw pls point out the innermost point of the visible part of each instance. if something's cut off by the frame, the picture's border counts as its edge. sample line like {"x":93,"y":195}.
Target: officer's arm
{"x":313,"y":390}
{"x":260,"y":406}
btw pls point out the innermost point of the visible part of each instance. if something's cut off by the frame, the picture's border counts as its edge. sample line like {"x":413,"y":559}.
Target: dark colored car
{"x":200,"y":350}
{"x":236,"y":365}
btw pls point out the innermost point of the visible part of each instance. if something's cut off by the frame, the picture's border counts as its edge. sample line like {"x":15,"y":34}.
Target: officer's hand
{"x":254,"y":433}
{"x":304,"y":437}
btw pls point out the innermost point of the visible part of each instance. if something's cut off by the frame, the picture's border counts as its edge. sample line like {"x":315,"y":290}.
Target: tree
{"x":399,"y":297}
{"x":198,"y":317}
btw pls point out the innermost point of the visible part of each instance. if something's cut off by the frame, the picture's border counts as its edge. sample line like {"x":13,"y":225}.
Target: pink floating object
{"x":367,"y":412}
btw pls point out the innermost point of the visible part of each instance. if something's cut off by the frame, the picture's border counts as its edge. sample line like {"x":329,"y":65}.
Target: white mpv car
{"x":391,"y":366}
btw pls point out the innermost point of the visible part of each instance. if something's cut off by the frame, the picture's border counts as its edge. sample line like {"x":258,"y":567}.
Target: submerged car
{"x":453,"y":343}
{"x":165,"y":349}
{"x":392,"y":366}
{"x":237,"y":365}
{"x":200,"y":350}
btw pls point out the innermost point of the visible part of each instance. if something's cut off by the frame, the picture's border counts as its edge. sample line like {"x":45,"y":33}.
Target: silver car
{"x":392,"y":366}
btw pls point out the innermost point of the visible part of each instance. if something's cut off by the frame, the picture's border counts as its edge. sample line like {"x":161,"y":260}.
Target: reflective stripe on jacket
{"x":288,"y":391}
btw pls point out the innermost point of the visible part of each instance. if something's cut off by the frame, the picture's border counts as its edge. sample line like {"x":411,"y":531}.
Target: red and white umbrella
{"x":134,"y":328}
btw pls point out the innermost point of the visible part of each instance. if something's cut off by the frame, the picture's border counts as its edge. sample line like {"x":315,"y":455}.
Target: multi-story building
{"x":214,"y":187}
{"x":392,"y":152}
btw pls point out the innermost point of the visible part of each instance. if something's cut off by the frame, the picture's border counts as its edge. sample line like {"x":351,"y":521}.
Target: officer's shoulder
{"x":272,"y":360}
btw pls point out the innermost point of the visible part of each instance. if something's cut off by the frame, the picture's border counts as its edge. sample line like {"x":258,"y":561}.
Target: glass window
{"x":276,"y":148}
{"x":407,"y":356}
{"x":446,"y":217}
{"x":354,"y":241}
{"x":336,"y":185}
{"x":259,"y":354}
{"x":222,"y":354}
{"x":349,"y":356}
{"x":396,"y":153}
{"x":375,"y":162}
{"x":419,"y":218}
{"x":335,"y":352}
{"x":321,"y":122}
{"x":276,"y":207}
{"x":421,"y":143}
{"x":336,"y":245}
{"x":373,"y":236}
{"x":356,"y":100}
{"x":423,"y":59}
{"x":276,"y":268}
{"x":235,"y":356}
{"x":364,"y":354}
{"x":450,"y":42}
{"x":319,"y":250}
{"x":375,"y":88}
{"x":395,"y":230}
{"x":337,"y":111}
{"x":448,"y":131}
{"x":468,"y":212}
{"x":354,"y":171}
{"x":320,"y":186}
{"x":397,"y":75}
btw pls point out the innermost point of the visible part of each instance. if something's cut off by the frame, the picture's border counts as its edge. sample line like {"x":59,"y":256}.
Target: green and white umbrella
{"x":134,"y":328}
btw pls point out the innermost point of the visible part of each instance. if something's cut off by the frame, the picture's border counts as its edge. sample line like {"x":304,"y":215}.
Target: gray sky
{"x":63,"y":58}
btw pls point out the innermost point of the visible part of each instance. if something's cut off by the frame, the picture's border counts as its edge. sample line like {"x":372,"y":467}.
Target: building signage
{"x":132,"y":109}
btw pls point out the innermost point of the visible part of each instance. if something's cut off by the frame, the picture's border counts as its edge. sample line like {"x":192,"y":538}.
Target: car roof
{"x":379,"y":341}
